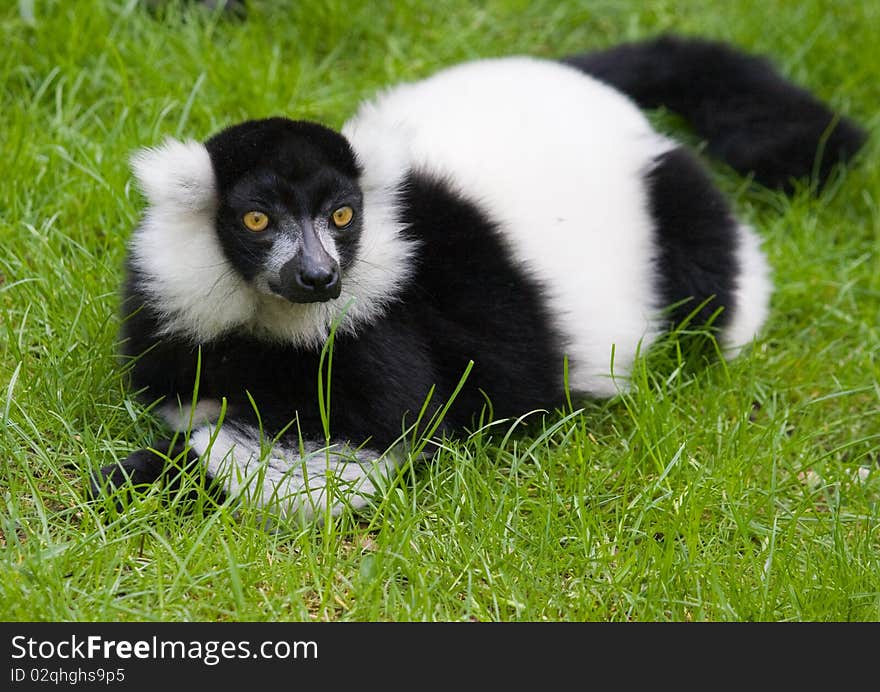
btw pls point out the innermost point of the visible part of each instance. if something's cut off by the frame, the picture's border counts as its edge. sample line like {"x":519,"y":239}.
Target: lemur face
{"x":289,"y":210}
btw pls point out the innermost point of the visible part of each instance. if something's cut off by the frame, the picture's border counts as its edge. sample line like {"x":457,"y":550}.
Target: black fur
{"x":293,"y":149}
{"x":482,"y":305}
{"x":751,"y":117}
{"x":696,"y":239}
{"x":146,"y":467}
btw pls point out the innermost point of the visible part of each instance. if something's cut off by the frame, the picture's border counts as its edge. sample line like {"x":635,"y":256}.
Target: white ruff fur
{"x":285,"y":483}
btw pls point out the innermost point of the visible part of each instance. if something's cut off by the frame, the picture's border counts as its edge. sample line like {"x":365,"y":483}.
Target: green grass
{"x":739,"y":491}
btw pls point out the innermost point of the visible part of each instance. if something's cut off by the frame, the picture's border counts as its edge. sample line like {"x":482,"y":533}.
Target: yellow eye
{"x":342,"y":217}
{"x":255,"y":221}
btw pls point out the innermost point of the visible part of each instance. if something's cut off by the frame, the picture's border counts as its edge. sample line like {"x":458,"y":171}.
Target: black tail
{"x":750,"y":116}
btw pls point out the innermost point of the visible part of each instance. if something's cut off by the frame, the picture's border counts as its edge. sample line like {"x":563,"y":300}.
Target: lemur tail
{"x":750,"y":116}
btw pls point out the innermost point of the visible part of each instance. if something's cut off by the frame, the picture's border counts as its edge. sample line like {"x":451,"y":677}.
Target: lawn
{"x":747,"y":490}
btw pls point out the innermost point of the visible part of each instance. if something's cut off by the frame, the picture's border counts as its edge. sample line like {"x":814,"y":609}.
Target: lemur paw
{"x":144,"y":468}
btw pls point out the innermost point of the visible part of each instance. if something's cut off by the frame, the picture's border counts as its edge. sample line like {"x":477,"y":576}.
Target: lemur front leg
{"x":167,"y":462}
{"x":285,"y":478}
{"x":289,"y":478}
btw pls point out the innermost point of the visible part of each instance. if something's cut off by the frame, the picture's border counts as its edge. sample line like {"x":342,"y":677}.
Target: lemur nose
{"x":319,"y":277}
{"x":309,"y":279}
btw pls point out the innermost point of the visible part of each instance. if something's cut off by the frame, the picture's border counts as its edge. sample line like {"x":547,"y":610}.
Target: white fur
{"x":290,"y":482}
{"x":754,"y":287}
{"x":558,"y":159}
{"x":176,"y":175}
{"x":187,"y":277}
{"x":181,"y":418}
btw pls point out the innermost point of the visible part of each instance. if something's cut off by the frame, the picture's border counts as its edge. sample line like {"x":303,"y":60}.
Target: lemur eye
{"x":255,"y":221}
{"x":342,"y":217}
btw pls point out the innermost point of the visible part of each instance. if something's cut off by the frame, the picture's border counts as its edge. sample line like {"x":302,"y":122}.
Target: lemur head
{"x":289,"y":207}
{"x":262,"y":228}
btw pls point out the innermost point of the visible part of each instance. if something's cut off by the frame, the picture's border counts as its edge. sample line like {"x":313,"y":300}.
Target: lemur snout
{"x":319,"y":277}
{"x":310,"y":278}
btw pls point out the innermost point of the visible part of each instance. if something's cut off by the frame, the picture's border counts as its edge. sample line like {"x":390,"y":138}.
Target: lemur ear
{"x":176,"y":174}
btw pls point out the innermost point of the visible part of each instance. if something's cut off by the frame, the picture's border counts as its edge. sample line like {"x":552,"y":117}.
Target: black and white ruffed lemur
{"x":512,"y":213}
